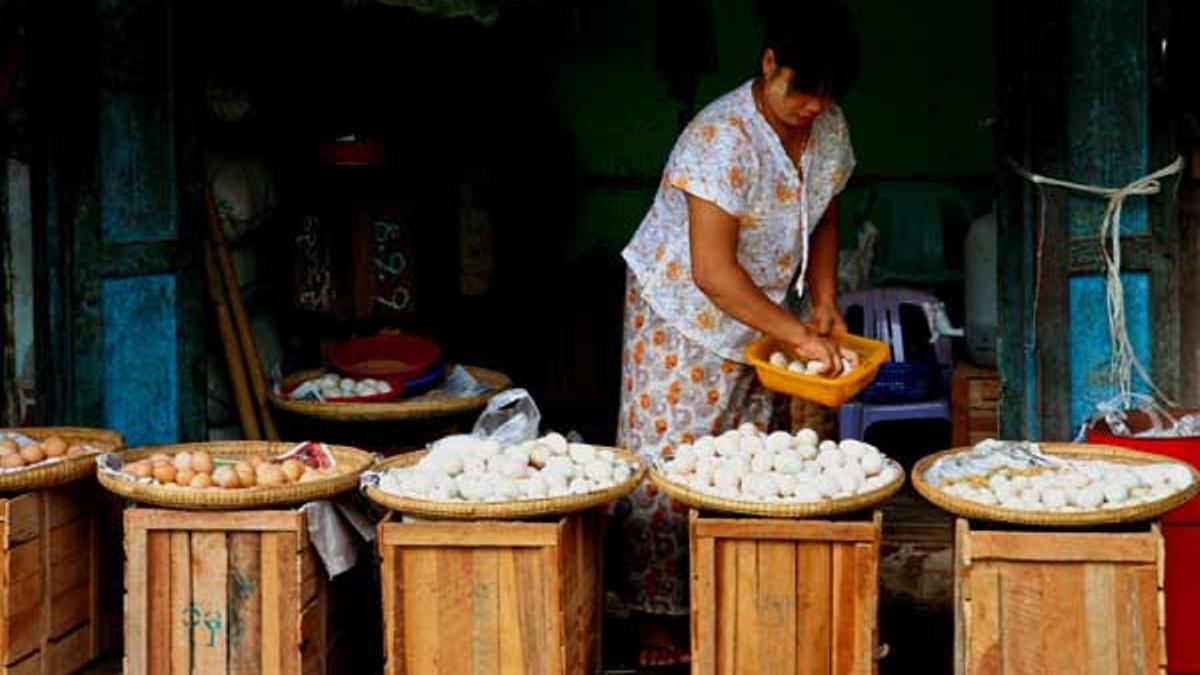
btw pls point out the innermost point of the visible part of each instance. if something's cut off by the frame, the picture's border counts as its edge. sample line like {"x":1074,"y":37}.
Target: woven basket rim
{"x":387,"y":411}
{"x":827,"y":507}
{"x":1128,"y":514}
{"x":242,"y":498}
{"x":513,"y":510}
{"x":64,"y":471}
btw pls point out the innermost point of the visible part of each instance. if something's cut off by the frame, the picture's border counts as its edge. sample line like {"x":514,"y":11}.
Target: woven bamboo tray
{"x":65,"y":470}
{"x":514,"y":510}
{"x":390,"y":411}
{"x":1129,"y":514}
{"x":825,"y":507}
{"x":350,"y":463}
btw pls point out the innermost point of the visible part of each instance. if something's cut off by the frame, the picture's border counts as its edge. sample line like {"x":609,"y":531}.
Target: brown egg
{"x":293,"y":469}
{"x":182,"y":460}
{"x":76,"y":450}
{"x":246,"y":476}
{"x":202,"y":462}
{"x":54,"y":447}
{"x":270,"y":475}
{"x":184,"y":476}
{"x":9,"y":447}
{"x":164,"y":472}
{"x":201,"y":480}
{"x":11,"y":461}
{"x":255,"y":460}
{"x":226,"y":477}
{"x":142,"y":469}
{"x":158,"y":458}
{"x":33,"y":453}
{"x":311,"y":474}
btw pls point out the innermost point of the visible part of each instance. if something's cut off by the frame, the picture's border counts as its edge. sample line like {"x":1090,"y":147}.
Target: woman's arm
{"x":716,"y":271}
{"x":822,"y":274}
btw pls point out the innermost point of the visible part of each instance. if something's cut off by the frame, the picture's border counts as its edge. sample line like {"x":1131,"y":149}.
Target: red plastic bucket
{"x":1181,"y":529}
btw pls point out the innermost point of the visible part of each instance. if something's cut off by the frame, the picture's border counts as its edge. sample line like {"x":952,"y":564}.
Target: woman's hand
{"x":826,"y":320}
{"x":809,"y":346}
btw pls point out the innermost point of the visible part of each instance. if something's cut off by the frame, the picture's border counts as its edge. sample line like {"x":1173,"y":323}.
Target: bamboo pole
{"x":233,"y":354}
{"x":241,"y":321}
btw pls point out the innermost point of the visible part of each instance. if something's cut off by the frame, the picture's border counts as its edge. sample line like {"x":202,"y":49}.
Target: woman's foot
{"x":661,"y":641}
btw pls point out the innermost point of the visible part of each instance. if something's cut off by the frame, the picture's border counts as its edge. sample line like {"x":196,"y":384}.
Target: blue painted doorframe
{"x":119,"y":189}
{"x":1081,"y":101}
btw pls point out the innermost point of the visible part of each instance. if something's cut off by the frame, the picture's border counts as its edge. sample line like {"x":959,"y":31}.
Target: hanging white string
{"x":1124,"y":359}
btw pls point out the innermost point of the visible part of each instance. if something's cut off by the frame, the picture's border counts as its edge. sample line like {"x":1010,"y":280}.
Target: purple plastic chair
{"x":881,"y":321}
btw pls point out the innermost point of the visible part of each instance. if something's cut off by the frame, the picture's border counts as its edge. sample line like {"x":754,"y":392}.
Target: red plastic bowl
{"x":386,"y":357}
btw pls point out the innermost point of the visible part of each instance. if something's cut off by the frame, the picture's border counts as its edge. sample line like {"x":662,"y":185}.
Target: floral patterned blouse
{"x":729,"y":155}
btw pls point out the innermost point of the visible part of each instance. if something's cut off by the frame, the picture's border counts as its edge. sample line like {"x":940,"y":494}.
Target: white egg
{"x":705,"y":446}
{"x":751,"y":445}
{"x":1088,"y":497}
{"x":806,"y":450}
{"x":806,"y":493}
{"x":518,"y":454}
{"x":829,"y":458}
{"x":1054,"y":498}
{"x":748,"y":429}
{"x":762,"y":462}
{"x":827,"y":446}
{"x":621,"y":472}
{"x":1004,"y":491}
{"x":724,"y":478}
{"x":815,"y":368}
{"x":700,"y":482}
{"x":847,"y":480}
{"x":728,"y":445}
{"x":579,"y":486}
{"x":779,"y":441}
{"x":785,"y":482}
{"x":686,"y":452}
{"x":555,"y":481}
{"x":535,"y":487}
{"x":708,"y":464}
{"x":826,"y":485}
{"x":788,"y":463}
{"x":538,"y":454}
{"x":558,"y":491}
{"x":1178,"y":476}
{"x":812,"y":468}
{"x":760,"y":485}
{"x":798,"y":367}
{"x":346,"y":385}
{"x":855,"y":448}
{"x":560,"y":465}
{"x":556,"y":442}
{"x":598,"y":470}
{"x":778,"y":359}
{"x":581,"y":453}
{"x":487,"y":449}
{"x":418,"y":483}
{"x":680,"y":465}
{"x":606,"y":455}
{"x":871,"y":463}
{"x":740,"y":466}
{"x":807,"y":436}
{"x":1115,"y":493}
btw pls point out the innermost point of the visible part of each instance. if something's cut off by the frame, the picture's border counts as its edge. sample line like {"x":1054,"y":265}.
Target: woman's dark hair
{"x":816,"y":39}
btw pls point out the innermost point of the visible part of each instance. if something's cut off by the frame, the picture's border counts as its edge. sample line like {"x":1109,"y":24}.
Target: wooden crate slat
{"x":159,"y":614}
{"x":814,"y":596}
{"x":209,"y":610}
{"x":983,"y":646}
{"x":727,"y":576}
{"x":1021,"y":598}
{"x":511,"y":654}
{"x":245,"y":602}
{"x":196,"y":521}
{"x":70,"y":652}
{"x":552,"y":598}
{"x":1068,"y":547}
{"x":777,"y":606}
{"x":471,"y":535}
{"x":704,"y":599}
{"x":1062,"y":627}
{"x":421,"y":610}
{"x":798,"y":530}
{"x":456,"y":607}
{"x":746,"y":632}
{"x":843,"y":583}
{"x":394,"y":618}
{"x":136,"y":600}
{"x":30,"y":665}
{"x":23,"y":516}
{"x":180,"y":631}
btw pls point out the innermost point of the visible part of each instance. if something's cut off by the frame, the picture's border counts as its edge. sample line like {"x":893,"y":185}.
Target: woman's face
{"x":793,"y":108}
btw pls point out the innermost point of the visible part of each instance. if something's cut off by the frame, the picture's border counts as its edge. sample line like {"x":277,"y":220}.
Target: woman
{"x":747,"y":201}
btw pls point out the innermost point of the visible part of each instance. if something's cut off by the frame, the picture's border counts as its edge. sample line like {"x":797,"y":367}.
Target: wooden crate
{"x":974,"y":404}
{"x":784,"y":596}
{"x":49,"y":581}
{"x":1058,"y":602}
{"x":492,"y":597}
{"x":225,"y":592}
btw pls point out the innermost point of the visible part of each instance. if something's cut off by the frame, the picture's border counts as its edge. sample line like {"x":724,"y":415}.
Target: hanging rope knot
{"x":1124,"y":360}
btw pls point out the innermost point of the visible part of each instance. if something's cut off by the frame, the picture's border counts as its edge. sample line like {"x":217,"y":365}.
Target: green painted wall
{"x":918,"y":115}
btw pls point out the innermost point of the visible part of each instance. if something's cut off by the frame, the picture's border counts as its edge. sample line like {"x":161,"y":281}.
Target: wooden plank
{"x":530,"y":573}
{"x":69,"y":609}
{"x":844,"y":617}
{"x":455,"y":579}
{"x":136,"y":599}
{"x":23,"y":516}
{"x":216,"y":521}
{"x":312,"y":576}
{"x":746,"y":630}
{"x":210,"y":596}
{"x":983,"y":647}
{"x":158,"y":589}
{"x":1063,"y":623}
{"x":66,"y":503}
{"x":1098,"y":601}
{"x":866,"y":606}
{"x":422,"y":617}
{"x":245,"y":603}
{"x":814,"y":607}
{"x":552,"y":557}
{"x":727,"y":576}
{"x":23,"y":561}
{"x":469,"y":535}
{"x":961,"y":532}
{"x":777,"y":606}
{"x":1063,"y":547}
{"x":71,"y":652}
{"x":788,"y":530}
{"x":272,"y":597}
{"x":181,"y":616}
{"x":393,"y":608}
{"x":1021,"y":612}
{"x":512,"y":656}
{"x":289,"y":600}
{"x":30,"y":665}
{"x":1141,"y":602}
{"x":704,"y":600}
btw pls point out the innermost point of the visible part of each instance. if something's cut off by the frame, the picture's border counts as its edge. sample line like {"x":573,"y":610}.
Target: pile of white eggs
{"x":332,"y":385}
{"x":749,"y":465}
{"x":466,"y":468}
{"x":781,"y":360}
{"x":1018,"y":476}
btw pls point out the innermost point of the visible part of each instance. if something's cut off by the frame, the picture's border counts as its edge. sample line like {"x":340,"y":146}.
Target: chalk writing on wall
{"x":316,"y":291}
{"x":393,"y":269}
